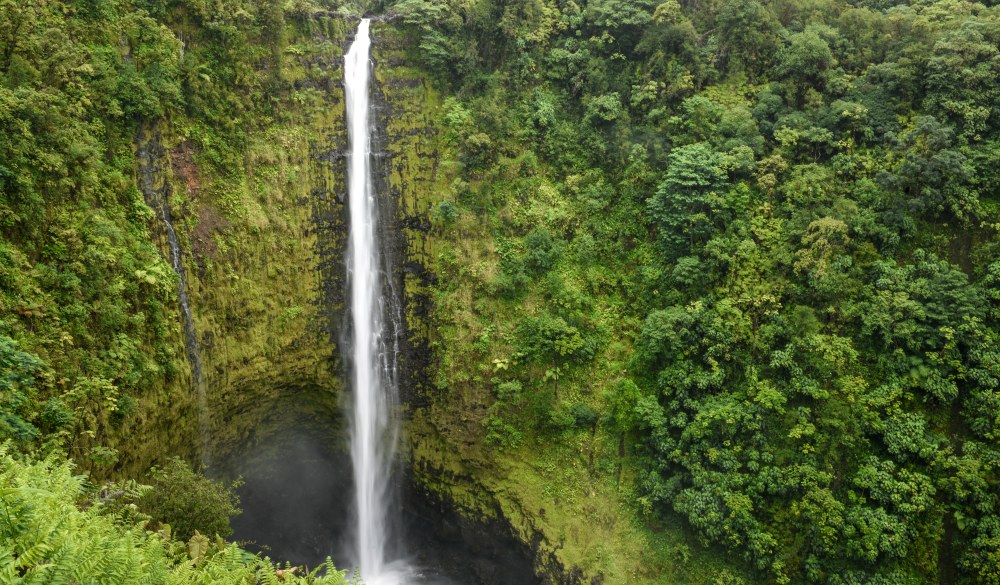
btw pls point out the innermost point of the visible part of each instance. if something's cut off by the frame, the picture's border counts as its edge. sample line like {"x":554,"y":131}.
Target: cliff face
{"x":262,"y":250}
{"x":263,"y":253}
{"x":448,"y":458}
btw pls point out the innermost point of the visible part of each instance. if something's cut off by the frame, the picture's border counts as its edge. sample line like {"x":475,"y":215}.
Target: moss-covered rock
{"x":261,"y":243}
{"x":578,"y":516}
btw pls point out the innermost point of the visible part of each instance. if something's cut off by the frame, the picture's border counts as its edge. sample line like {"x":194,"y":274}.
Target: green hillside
{"x":698,"y":292}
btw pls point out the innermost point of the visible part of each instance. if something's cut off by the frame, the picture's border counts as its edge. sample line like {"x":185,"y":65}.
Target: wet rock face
{"x":261,"y":296}
{"x":405,"y":168}
{"x":443,"y":432}
{"x":296,"y":499}
{"x":473,"y":552}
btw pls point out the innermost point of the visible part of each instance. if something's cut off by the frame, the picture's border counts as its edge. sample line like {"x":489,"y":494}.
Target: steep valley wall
{"x":263,"y":251}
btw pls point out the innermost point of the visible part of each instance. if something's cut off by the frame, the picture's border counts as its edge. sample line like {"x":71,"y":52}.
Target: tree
{"x":933,"y":175}
{"x":962,"y":86}
{"x":805,"y":63}
{"x":670,"y":48}
{"x":625,"y":19}
{"x":747,"y":37}
{"x":540,"y":251}
{"x":685,"y":201}
{"x":418,"y":12}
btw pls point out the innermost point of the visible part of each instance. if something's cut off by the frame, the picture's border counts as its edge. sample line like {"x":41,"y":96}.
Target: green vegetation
{"x":189,"y":501}
{"x":84,"y":292}
{"x":741,"y":258}
{"x":216,"y":110}
{"x":53,"y":531}
{"x":112,"y":114}
{"x":713,"y":289}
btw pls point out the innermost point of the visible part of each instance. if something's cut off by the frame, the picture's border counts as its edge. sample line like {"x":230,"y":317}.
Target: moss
{"x":258,"y":210}
{"x":563,"y":494}
{"x":262,"y":242}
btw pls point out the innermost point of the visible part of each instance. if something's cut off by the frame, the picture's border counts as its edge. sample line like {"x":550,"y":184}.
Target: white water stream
{"x":373,"y":426}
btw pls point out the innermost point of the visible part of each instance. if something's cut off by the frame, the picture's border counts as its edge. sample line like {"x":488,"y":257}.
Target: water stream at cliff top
{"x":373,"y":423}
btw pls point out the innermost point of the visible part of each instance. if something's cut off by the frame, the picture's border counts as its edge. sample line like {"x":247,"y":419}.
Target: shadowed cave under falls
{"x":318,"y":485}
{"x":297,"y":500}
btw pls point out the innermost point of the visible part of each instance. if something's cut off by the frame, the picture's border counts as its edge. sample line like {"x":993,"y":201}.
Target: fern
{"x":45,"y":538}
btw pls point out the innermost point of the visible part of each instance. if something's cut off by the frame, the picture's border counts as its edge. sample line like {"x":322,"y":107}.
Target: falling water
{"x":177,"y":261}
{"x":156,"y":190}
{"x":373,"y":432}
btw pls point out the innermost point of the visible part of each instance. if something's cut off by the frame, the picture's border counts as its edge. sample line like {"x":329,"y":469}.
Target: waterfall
{"x":156,"y":190}
{"x":373,"y":427}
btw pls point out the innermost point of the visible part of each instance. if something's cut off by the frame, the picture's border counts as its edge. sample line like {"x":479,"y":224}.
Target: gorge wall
{"x":257,"y":206}
{"x":672,"y":315}
{"x":262,"y":248}
{"x":263,"y":254}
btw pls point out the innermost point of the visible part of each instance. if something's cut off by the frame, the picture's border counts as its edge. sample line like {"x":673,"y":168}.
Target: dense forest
{"x":735,"y":262}
{"x":765,"y":233}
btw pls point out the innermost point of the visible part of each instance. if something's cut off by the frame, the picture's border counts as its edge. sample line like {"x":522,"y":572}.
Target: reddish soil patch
{"x":210,"y":222}
{"x":182,"y":159}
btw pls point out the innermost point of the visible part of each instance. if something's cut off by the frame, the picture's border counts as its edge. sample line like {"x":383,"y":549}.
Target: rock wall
{"x":444,"y":453}
{"x":266,"y":282}
{"x":263,"y":251}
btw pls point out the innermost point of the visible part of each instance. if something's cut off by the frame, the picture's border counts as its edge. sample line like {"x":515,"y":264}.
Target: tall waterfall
{"x":373,"y":428}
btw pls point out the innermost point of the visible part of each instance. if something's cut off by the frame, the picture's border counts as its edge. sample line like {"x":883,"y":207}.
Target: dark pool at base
{"x":296,"y":508}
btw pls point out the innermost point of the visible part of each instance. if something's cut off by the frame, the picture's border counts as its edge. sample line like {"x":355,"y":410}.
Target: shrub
{"x":583,"y":415}
{"x":189,"y":501}
{"x":445,"y":213}
{"x":540,"y":251}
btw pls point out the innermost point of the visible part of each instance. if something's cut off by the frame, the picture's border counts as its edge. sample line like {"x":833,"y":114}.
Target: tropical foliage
{"x":759,"y":241}
{"x":743,"y":254}
{"x":89,"y":311}
{"x":53,"y":531}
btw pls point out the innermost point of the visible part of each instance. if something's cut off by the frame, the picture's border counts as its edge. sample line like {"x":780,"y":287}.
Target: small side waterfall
{"x":156,"y":190}
{"x":373,"y":423}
